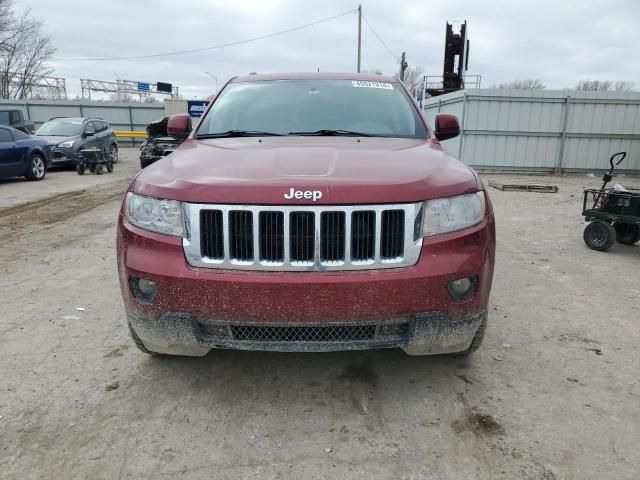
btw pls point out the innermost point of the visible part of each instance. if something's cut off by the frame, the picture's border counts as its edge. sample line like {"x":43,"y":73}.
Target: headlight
{"x":68,"y":144}
{"x":162,"y":216}
{"x":445,"y":215}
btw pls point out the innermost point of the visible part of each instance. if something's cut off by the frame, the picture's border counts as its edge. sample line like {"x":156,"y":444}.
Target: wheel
{"x":37,"y":168}
{"x":92,"y":168}
{"x":137,"y":341}
{"x":477,"y":339}
{"x":113,"y":153}
{"x":627,"y":233}
{"x":80,"y":168}
{"x":599,"y":235}
{"x":109,"y":166}
{"x":99,"y":169}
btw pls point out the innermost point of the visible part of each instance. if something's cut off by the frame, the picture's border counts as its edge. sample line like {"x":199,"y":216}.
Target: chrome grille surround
{"x":193,"y":252}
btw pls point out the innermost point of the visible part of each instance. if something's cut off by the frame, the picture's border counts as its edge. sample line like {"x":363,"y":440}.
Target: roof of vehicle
{"x":74,"y":119}
{"x":68,"y":119}
{"x":16,"y":132}
{"x":371,"y":77}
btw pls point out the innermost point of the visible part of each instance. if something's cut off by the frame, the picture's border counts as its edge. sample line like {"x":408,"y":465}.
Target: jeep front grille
{"x":304,"y":238}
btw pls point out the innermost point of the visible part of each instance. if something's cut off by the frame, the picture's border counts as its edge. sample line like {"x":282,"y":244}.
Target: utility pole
{"x":403,"y":66}
{"x":359,"y":35}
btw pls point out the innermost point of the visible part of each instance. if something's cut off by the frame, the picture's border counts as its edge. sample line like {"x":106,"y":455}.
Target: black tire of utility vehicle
{"x":627,"y":233}
{"x":477,"y":339}
{"x":99,"y":169}
{"x":138,"y":342}
{"x":80,"y":168}
{"x":37,"y":168}
{"x":599,"y":235}
{"x":109,"y":166}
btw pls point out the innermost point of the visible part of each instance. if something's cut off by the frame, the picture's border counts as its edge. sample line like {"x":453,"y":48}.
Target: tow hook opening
{"x":463,"y":289}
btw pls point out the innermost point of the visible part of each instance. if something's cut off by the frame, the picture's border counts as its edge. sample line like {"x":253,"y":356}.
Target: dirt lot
{"x":554,"y":392}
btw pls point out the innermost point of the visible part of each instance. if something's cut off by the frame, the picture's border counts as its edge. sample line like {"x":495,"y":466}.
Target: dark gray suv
{"x":68,"y":135}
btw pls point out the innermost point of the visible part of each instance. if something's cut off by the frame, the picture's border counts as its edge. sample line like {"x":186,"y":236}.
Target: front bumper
{"x":191,"y":303}
{"x":62,"y":156}
{"x":426,"y":333}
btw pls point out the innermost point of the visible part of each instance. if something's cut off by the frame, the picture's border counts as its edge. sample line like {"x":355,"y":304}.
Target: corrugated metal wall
{"x":542,"y":130}
{"x":121,"y":116}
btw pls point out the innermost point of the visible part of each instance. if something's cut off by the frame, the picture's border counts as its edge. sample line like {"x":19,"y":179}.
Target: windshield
{"x":60,"y":129}
{"x":299,"y":107}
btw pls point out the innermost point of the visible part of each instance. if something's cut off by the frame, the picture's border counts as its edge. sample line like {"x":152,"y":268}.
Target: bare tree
{"x":5,"y":19}
{"x":24,"y":52}
{"x":123,"y":97}
{"x":603,"y":86}
{"x":525,"y":84}
{"x":413,"y":77}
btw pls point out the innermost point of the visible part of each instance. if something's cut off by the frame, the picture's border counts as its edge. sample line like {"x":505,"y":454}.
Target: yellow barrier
{"x":127,"y":134}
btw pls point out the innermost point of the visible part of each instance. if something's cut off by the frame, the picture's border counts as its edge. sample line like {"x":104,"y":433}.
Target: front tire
{"x":627,"y":233}
{"x":113,"y":153}
{"x":599,"y":235}
{"x":138,"y":343}
{"x":477,"y":339}
{"x":80,"y":168}
{"x":37,"y":168}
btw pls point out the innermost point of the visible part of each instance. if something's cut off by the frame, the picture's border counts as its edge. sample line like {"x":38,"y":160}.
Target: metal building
{"x":542,"y":130}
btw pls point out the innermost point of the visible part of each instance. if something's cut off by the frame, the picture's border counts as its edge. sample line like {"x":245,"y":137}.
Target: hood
{"x":53,"y":141}
{"x":346,"y":170}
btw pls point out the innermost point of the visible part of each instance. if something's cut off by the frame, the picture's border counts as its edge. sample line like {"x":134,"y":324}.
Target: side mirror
{"x":179,"y":125}
{"x":447,"y":126}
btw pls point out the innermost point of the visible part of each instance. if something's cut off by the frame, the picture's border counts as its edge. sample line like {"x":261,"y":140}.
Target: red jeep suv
{"x":308,"y":212}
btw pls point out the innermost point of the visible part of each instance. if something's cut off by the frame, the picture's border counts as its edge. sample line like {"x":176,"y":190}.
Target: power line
{"x":223,"y":45}
{"x":380,"y":39}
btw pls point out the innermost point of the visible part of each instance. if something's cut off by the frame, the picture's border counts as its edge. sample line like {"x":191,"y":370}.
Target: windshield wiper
{"x":238,"y":133}
{"x":326,"y":132}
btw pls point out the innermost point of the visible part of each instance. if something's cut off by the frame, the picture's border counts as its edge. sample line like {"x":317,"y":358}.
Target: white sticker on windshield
{"x":367,"y":84}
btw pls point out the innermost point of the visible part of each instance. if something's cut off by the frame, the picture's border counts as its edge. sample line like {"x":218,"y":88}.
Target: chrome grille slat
{"x":332,"y":237}
{"x":392,"y":224}
{"x":241,"y":231}
{"x":301,"y":237}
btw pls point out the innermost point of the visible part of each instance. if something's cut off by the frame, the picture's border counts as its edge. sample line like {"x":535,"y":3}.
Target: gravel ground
{"x":552,"y":394}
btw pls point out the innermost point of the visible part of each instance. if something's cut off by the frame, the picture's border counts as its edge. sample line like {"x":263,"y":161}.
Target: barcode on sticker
{"x":367,"y":84}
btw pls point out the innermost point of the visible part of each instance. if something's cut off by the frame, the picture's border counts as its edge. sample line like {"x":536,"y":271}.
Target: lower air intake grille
{"x":304,"y":334}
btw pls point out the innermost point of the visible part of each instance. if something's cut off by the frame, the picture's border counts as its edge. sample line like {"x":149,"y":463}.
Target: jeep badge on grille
{"x":314,"y":195}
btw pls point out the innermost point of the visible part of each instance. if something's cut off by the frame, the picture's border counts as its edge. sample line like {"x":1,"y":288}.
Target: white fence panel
{"x":542,"y":130}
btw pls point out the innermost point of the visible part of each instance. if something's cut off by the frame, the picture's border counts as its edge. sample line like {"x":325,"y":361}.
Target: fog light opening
{"x":463,"y":288}
{"x":144,"y":289}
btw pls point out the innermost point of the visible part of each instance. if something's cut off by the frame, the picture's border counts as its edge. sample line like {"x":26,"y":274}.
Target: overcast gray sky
{"x":559,"y":42}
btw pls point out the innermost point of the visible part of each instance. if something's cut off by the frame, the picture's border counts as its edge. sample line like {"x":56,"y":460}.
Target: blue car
{"x":23,"y":155}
